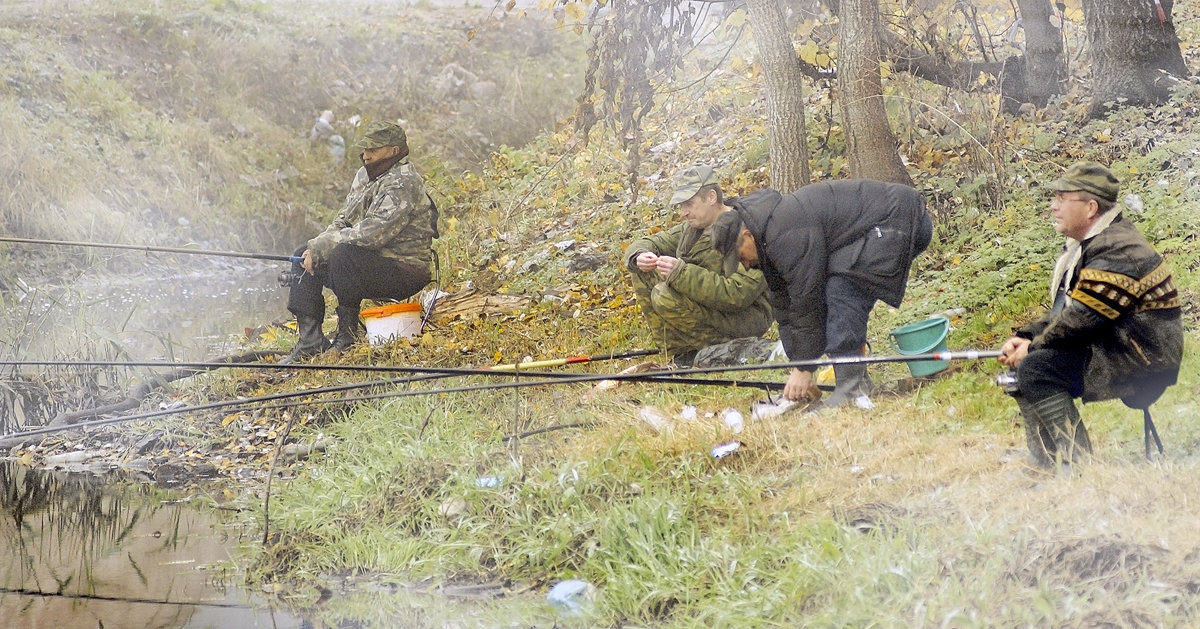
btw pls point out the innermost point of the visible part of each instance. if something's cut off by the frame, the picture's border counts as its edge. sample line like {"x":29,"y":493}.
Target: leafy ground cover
{"x":918,"y":513}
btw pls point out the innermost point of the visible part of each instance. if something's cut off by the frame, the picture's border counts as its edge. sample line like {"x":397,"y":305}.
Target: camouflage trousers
{"x":679,"y":324}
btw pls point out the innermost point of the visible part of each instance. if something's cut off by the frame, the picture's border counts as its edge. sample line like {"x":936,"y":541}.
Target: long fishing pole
{"x":151,"y":248}
{"x":492,"y":369}
{"x":509,"y":370}
{"x":660,"y":375}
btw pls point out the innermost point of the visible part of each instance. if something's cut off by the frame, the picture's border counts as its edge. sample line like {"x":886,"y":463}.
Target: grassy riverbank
{"x":918,"y":513}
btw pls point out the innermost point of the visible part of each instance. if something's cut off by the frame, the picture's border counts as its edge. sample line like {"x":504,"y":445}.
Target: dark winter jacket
{"x":1113,"y":293}
{"x":866,"y":231}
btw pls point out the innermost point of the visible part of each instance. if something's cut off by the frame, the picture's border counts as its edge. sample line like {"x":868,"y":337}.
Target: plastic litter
{"x":766,"y":410}
{"x":688,"y":413}
{"x":571,"y":596}
{"x":725,"y":449}
{"x":864,"y":402}
{"x":733,"y":418}
{"x":488,"y":481}
{"x":655,"y":418}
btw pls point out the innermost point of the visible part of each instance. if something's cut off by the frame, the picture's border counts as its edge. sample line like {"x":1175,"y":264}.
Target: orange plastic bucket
{"x":392,"y":321}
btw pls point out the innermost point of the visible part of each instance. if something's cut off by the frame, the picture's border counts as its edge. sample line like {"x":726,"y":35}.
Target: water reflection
{"x":85,"y":552}
{"x":179,"y":309}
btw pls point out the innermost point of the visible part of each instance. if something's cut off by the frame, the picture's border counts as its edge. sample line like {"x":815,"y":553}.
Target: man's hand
{"x":646,"y":261}
{"x":666,"y":264}
{"x":1014,"y":350}
{"x":306,"y":262}
{"x":800,"y":387}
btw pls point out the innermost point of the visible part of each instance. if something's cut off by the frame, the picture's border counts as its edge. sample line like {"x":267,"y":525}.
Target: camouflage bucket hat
{"x":382,"y":133}
{"x":689,"y":181}
{"x":1088,"y":177}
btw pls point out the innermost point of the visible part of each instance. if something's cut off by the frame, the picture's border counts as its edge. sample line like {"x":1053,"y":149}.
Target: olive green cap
{"x":1088,"y":177}
{"x":689,"y":181}
{"x":382,"y":133}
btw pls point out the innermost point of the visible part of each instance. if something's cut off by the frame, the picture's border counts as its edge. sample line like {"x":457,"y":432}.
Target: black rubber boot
{"x":312,"y":340}
{"x":1061,"y":418}
{"x":350,"y":329}
{"x":1039,"y":439}
{"x":850,"y":382}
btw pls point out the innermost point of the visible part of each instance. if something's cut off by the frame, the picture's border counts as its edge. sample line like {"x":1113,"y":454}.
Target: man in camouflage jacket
{"x":378,"y":247}
{"x":690,"y":295}
{"x":1114,"y":329}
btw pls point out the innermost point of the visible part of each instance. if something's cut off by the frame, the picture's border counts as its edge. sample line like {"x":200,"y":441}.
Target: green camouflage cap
{"x":689,"y":181}
{"x":1088,"y":177}
{"x":382,"y":133}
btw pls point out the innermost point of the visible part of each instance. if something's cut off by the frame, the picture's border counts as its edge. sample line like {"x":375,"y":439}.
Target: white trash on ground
{"x":570,"y":597}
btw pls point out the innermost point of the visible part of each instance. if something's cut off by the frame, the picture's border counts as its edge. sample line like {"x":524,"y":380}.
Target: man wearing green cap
{"x":378,"y":247}
{"x":690,"y":295}
{"x":1114,"y":327}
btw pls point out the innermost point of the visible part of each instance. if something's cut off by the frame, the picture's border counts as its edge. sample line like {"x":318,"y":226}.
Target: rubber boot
{"x":1061,"y":419}
{"x":1038,"y":437}
{"x":349,"y":329}
{"x":850,"y":382}
{"x":312,"y":340}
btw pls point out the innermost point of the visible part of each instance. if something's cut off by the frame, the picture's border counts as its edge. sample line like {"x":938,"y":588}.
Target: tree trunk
{"x":870,"y":144}
{"x":1135,"y":52}
{"x":1045,"y":67}
{"x":785,"y":96}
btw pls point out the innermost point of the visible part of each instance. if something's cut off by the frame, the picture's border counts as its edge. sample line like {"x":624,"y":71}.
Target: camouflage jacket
{"x":704,"y":275}
{"x":1113,"y":294}
{"x":390,"y":214}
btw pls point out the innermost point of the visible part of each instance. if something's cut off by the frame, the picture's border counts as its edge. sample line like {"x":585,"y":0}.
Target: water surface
{"x":82,"y":550}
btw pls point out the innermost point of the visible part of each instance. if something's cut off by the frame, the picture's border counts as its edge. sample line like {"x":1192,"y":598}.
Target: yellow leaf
{"x":497,"y":356}
{"x":737,"y":18}
{"x":574,"y":11}
{"x":808,"y":52}
{"x":228,"y":419}
{"x":451,"y":224}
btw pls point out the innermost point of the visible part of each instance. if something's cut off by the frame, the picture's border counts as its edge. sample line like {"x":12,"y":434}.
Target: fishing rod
{"x":658,"y":375}
{"x":150,"y":248}
{"x":247,"y":403}
{"x":450,"y":371}
{"x":519,"y":368}
{"x":570,"y":360}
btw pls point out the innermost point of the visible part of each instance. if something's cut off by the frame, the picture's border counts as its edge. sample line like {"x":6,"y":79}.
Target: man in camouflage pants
{"x":378,"y":247}
{"x":690,"y":295}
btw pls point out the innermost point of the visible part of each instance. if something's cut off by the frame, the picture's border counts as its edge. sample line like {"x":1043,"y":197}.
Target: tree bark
{"x":785,"y":96}
{"x":1135,"y":52}
{"x":870,"y":144}
{"x":1045,"y":71}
